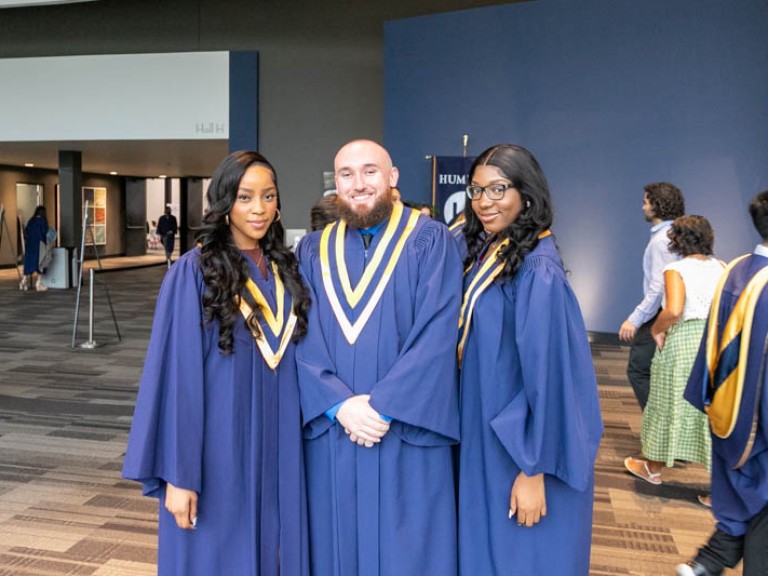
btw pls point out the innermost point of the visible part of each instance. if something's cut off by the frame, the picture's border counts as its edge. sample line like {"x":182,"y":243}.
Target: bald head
{"x":364,"y":177}
{"x":366,"y":150}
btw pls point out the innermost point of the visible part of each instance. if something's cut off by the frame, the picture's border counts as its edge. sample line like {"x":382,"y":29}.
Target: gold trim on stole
{"x":723,"y":410}
{"x":471,"y":294}
{"x":353,"y":330}
{"x":277,"y":323}
{"x":474,"y":292}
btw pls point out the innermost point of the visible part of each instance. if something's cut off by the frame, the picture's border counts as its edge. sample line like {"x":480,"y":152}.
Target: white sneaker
{"x":695,"y":569}
{"x":40,"y":287}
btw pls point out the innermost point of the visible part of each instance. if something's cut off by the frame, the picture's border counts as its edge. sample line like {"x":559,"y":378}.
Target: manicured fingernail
{"x":510,"y":513}
{"x":194,"y":522}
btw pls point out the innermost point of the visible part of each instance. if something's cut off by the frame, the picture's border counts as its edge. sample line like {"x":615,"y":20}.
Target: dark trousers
{"x":639,"y":365}
{"x":725,"y":551}
{"x":168,"y":242}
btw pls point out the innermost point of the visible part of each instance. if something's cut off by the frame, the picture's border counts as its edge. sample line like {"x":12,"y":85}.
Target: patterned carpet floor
{"x":65,"y":413}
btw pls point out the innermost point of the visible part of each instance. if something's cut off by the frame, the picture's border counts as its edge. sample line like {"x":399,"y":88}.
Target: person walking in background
{"x":377,"y":374}
{"x":662,"y":203}
{"x":35,"y":244}
{"x":216,"y":433}
{"x":530,"y":415}
{"x":153,"y":240}
{"x":167,"y":227}
{"x":673,"y":429}
{"x":729,"y":382}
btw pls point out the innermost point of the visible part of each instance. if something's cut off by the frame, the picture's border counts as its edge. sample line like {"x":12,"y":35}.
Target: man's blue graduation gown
{"x":387,"y":510}
{"x":227,"y":427}
{"x":528,"y":403}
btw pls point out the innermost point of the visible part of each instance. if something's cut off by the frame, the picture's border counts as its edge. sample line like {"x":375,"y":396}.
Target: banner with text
{"x":449,"y":180}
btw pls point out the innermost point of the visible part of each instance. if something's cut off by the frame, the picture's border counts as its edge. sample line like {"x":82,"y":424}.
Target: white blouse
{"x":700,"y":279}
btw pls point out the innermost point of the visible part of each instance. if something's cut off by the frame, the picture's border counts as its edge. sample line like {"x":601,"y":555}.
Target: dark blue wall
{"x":609,"y":95}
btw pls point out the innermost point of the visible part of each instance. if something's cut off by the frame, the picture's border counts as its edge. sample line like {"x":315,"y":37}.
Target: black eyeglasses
{"x":492,"y":192}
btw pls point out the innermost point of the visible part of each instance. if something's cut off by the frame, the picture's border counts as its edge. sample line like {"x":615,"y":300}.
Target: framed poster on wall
{"x":97,"y":213}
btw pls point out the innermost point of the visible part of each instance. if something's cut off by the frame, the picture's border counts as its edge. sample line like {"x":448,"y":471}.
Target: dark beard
{"x":380,"y":212}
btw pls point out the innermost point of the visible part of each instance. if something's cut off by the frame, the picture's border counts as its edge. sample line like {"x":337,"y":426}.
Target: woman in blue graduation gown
{"x":216,"y":434}
{"x":35,"y":232}
{"x":530,"y":416}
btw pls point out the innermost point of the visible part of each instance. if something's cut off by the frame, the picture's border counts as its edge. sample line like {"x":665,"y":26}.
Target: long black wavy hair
{"x":226,"y":270}
{"x":520,"y":167}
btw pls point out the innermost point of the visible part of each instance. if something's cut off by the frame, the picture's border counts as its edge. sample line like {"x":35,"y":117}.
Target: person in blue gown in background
{"x":35,"y":232}
{"x":530,"y":415}
{"x":216,"y":433}
{"x":377,"y":373}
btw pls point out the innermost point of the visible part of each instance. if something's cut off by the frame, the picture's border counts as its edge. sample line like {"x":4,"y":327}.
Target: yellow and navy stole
{"x":276,"y":325}
{"x":727,"y":353}
{"x":484,"y":275}
{"x":457,"y":226}
{"x":353,"y":307}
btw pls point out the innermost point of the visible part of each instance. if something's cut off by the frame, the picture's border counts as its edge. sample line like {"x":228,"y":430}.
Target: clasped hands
{"x":361,"y":422}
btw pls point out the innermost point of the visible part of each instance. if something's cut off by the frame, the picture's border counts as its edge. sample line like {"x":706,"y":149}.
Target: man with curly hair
{"x":662,"y":203}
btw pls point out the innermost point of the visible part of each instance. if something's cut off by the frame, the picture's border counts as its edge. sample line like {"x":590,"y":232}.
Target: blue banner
{"x":449,"y":180}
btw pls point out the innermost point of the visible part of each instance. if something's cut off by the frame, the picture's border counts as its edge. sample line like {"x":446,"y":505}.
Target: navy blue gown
{"x":34,"y":233}
{"x":227,"y":427}
{"x":528,"y":403}
{"x":387,"y":510}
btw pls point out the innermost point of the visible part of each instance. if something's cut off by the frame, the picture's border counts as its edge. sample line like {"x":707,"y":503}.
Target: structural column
{"x":135,"y":210}
{"x":70,"y":197}
{"x":190,"y":211}
{"x":243,"y":101}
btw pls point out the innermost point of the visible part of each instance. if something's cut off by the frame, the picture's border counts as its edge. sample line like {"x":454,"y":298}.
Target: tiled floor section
{"x":65,"y":414}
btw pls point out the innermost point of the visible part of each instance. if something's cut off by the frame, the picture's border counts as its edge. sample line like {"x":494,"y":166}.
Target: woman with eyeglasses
{"x":531,"y":420}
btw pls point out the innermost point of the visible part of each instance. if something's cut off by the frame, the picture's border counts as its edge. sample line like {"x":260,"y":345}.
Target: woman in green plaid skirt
{"x":673,"y":429}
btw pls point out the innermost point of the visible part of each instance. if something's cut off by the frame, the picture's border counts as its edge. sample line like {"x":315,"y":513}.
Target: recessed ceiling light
{"x":29,"y":164}
{"x":113,"y":173}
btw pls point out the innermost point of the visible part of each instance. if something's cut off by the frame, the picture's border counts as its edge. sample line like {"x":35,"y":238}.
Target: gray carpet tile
{"x":65,"y":414}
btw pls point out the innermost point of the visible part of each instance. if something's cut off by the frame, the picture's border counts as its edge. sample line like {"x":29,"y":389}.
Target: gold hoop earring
{"x":277,"y":218}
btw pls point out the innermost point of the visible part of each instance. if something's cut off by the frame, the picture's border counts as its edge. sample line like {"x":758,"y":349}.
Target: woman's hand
{"x":660,"y":338}
{"x":183,"y":505}
{"x":528,"y":499}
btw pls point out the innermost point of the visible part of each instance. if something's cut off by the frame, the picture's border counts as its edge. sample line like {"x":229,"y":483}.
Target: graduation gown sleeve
{"x":316,"y":365}
{"x":166,"y":439}
{"x":553,"y":424}
{"x":420,"y":391}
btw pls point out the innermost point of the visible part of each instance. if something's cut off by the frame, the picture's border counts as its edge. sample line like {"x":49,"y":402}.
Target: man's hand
{"x":183,"y":505}
{"x":363,"y":424}
{"x":627,"y":331}
{"x":528,"y":499}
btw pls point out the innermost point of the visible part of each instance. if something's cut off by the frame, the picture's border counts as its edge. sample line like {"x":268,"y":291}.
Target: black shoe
{"x":692,"y":569}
